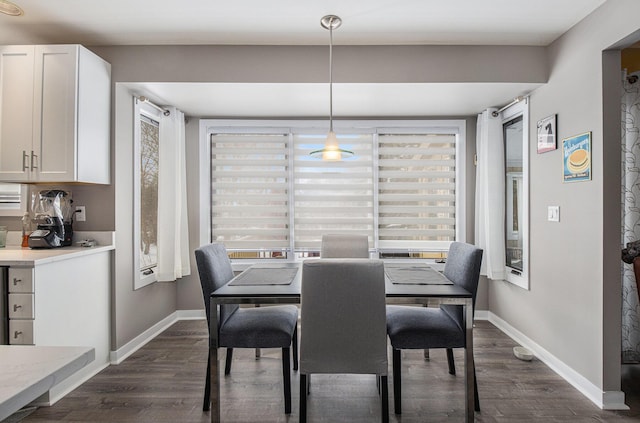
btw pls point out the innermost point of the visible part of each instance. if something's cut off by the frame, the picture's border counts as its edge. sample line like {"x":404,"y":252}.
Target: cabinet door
{"x":55,"y":111}
{"x":16,"y":112}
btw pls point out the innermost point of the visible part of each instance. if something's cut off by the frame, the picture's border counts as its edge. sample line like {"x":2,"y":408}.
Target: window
{"x":332,"y":197}
{"x":13,"y":199}
{"x":516,"y":147}
{"x":270,"y":199}
{"x":146,"y":159}
{"x":250,"y":192}
{"x":416,"y":190}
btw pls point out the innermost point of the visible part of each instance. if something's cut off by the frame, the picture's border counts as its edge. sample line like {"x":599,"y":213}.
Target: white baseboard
{"x":118,"y":356}
{"x":59,"y":391}
{"x":191,"y":314}
{"x":606,"y":400}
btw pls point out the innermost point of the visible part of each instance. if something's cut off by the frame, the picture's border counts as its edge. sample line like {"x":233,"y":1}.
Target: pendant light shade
{"x":331,"y":150}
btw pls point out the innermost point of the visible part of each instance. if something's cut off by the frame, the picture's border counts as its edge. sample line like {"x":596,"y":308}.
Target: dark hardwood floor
{"x":163,"y":382}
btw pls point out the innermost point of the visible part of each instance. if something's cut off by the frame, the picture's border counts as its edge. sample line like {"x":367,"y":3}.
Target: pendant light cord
{"x":331,"y":76}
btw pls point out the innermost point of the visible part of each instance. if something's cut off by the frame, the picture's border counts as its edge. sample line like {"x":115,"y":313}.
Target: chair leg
{"x":475,"y":390}
{"x":257,"y":349}
{"x":294,"y":341}
{"x":384,"y":397}
{"x":286,"y":374}
{"x":397,"y":389}
{"x":450,"y":360}
{"x":303,"y":398}
{"x":207,"y":388}
{"x":227,"y":363}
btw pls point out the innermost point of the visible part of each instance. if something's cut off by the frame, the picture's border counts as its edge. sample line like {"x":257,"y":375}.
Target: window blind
{"x":416,"y":190}
{"x":332,"y":197}
{"x":10,"y":196}
{"x":250,"y":190}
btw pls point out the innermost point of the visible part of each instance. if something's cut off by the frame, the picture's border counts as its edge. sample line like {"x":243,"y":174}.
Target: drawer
{"x":21,"y":306}
{"x":21,"y":332}
{"x":21,"y":279}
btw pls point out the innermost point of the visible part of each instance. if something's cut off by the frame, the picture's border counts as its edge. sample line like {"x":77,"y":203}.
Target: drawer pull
{"x":16,"y":281}
{"x":16,"y":334}
{"x":16,"y":307}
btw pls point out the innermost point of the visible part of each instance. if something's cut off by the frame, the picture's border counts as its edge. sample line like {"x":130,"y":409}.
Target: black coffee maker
{"x":53,"y":215}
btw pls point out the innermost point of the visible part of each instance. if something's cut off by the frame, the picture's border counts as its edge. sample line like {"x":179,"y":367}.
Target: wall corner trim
{"x":606,"y":400}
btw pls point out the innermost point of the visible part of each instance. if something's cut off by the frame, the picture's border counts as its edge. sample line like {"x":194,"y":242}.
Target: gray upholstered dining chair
{"x":344,"y":246}
{"x":264,"y":327}
{"x":343,"y":328}
{"x":430,"y":327}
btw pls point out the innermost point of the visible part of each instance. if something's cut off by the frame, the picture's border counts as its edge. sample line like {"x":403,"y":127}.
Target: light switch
{"x":553,"y":213}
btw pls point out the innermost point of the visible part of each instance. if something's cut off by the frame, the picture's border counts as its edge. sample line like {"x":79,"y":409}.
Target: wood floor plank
{"x":163,"y":382}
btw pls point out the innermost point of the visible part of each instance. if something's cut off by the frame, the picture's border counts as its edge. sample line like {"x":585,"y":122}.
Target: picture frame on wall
{"x":546,"y":131}
{"x":576,"y":158}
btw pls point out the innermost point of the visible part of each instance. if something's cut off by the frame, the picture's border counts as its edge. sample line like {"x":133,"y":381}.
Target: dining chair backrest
{"x":343,"y":322}
{"x":214,"y":269}
{"x":344,"y":246}
{"x":463,"y":268}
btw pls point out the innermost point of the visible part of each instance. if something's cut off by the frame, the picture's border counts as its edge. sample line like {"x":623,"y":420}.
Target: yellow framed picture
{"x":576,"y":157}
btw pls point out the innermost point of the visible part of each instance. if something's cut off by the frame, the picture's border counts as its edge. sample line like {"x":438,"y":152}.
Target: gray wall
{"x":573,"y":307}
{"x":136,"y":311}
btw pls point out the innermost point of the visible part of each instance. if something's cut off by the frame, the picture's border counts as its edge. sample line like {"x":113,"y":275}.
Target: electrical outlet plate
{"x":553,"y":213}
{"x":81,"y":215}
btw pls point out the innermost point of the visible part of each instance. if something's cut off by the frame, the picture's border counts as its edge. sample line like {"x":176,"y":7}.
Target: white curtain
{"x":490,"y":197}
{"x":173,"y":235}
{"x":631,"y":214}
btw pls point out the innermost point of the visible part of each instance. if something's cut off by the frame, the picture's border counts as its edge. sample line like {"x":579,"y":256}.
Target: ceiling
{"x":297,"y":22}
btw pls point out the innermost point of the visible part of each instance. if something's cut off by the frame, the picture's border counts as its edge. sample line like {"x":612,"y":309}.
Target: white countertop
{"x":27,"y":372}
{"x":13,"y":255}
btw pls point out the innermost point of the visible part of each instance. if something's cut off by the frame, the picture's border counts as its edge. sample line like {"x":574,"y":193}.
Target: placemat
{"x":266,"y":276}
{"x":415,"y":275}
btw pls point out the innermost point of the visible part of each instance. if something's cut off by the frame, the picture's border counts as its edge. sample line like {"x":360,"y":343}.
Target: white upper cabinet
{"x":16,"y":111}
{"x":54,"y":114}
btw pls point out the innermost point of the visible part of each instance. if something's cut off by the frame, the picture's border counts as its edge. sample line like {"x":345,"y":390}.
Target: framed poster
{"x":576,"y":157}
{"x":547,"y":134}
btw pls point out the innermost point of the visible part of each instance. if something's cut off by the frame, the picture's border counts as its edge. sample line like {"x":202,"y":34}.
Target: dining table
{"x":281,"y":282}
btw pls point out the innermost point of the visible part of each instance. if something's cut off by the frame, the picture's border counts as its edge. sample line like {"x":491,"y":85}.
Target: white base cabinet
{"x":54,"y":114}
{"x":63,"y":303}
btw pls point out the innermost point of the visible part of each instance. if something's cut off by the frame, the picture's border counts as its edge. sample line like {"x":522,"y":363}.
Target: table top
{"x":291,"y":292}
{"x":27,"y":371}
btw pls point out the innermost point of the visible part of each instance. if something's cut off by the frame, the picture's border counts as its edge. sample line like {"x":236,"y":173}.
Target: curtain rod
{"x":518,"y":99}
{"x":155,"y":106}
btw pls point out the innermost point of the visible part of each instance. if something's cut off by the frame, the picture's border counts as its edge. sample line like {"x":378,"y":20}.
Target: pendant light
{"x":331,"y":150}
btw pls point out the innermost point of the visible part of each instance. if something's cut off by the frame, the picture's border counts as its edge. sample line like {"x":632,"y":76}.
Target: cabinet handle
{"x":16,"y":334}
{"x":16,"y":281}
{"x":33,"y":160}
{"x":16,"y":307}
{"x":25,"y":157}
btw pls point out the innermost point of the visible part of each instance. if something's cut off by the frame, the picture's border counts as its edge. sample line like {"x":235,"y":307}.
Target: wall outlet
{"x":553,"y":213}
{"x":81,"y":215}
